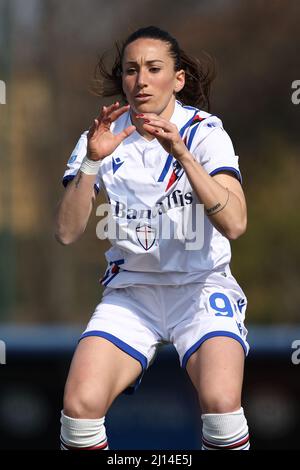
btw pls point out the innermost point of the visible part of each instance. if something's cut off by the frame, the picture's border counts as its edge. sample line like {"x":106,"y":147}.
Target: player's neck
{"x":139,"y":127}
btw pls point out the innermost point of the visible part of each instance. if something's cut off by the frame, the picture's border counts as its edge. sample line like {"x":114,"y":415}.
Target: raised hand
{"x":101,"y":141}
{"x":166,"y":133}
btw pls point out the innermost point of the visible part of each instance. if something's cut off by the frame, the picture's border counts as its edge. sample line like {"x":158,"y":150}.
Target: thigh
{"x":99,"y":372}
{"x":216,"y":370}
{"x":124,"y":319}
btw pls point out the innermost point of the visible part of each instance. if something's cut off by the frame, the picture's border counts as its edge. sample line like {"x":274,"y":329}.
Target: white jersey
{"x":159,"y":231}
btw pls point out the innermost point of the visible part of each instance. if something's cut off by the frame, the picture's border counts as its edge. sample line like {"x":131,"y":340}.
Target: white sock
{"x":84,"y":434}
{"x":225,"y":431}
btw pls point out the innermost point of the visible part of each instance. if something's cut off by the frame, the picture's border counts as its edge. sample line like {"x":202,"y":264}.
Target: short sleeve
{"x":213,"y":148}
{"x":75,"y":161}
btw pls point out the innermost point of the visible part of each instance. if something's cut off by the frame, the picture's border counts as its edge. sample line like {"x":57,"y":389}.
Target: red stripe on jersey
{"x":197,"y":118}
{"x":172,"y":179}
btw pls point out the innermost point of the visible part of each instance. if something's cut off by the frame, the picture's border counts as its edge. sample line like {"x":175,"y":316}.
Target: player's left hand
{"x":166,"y":133}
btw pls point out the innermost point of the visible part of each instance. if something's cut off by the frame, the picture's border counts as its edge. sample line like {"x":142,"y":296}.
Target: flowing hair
{"x":198,"y":74}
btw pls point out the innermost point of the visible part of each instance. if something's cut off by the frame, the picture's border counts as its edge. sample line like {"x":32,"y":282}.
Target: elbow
{"x":63,"y":236}
{"x":63,"y":239}
{"x":235,"y":231}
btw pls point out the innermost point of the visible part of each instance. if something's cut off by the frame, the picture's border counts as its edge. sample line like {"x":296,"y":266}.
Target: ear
{"x":179,"y":81}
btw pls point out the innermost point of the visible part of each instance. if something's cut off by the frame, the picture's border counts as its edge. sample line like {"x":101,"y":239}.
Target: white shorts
{"x":139,"y":318}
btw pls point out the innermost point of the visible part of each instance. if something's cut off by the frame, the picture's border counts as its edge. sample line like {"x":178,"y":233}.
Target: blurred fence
{"x":163,"y":413}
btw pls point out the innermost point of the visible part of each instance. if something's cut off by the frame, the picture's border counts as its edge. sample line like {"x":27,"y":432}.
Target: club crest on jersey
{"x":116,"y":163}
{"x":146,"y":235}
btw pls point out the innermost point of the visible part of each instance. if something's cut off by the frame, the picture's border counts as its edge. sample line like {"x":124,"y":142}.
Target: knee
{"x":220,"y":404}
{"x":83,"y":404}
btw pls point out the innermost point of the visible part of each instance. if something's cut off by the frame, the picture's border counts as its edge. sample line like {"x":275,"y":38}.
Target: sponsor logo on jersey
{"x":171,"y":201}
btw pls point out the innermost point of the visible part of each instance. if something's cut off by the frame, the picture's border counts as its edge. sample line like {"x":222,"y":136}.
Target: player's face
{"x":149,"y":79}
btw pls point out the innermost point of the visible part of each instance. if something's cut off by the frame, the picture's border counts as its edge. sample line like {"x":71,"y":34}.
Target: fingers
{"x":107,"y":110}
{"x":117,"y":113}
{"x":125,"y":133}
{"x":154,"y":124}
{"x":93,"y":128}
{"x":111,"y":113}
{"x":161,"y":128}
{"x":147,"y":116}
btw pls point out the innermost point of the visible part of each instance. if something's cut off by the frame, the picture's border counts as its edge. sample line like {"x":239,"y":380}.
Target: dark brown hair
{"x":198,"y":74}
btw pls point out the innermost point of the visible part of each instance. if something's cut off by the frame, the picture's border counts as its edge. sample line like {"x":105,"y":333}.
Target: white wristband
{"x":90,"y":167}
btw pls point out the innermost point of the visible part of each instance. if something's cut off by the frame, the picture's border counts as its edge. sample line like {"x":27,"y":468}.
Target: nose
{"x":141,"y":79}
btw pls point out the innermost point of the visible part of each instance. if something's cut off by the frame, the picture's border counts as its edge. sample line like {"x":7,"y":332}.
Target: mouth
{"x":142,"y":97}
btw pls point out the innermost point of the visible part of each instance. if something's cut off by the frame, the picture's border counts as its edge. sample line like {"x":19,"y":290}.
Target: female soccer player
{"x":171,"y":177}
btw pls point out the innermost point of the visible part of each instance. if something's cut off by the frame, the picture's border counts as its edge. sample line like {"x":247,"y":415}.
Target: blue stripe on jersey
{"x":117,"y":262}
{"x":109,"y":275}
{"x":170,"y":157}
{"x":121,"y":344}
{"x":187,"y":124}
{"x":212,"y":334}
{"x":108,"y":279}
{"x":166,"y":167}
{"x":66,"y":180}
{"x":105,"y":276}
{"x":193,"y":131}
{"x":192,"y":135}
{"x":227,"y":168}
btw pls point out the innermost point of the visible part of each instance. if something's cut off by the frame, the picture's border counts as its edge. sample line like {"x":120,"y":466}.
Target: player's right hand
{"x":101,"y":141}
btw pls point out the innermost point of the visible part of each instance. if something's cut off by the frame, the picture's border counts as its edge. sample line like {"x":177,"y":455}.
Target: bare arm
{"x":221,"y":194}
{"x":75,"y":207}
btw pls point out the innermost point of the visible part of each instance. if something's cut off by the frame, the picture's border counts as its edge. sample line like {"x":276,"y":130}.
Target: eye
{"x":130,"y":71}
{"x":154,"y":69}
